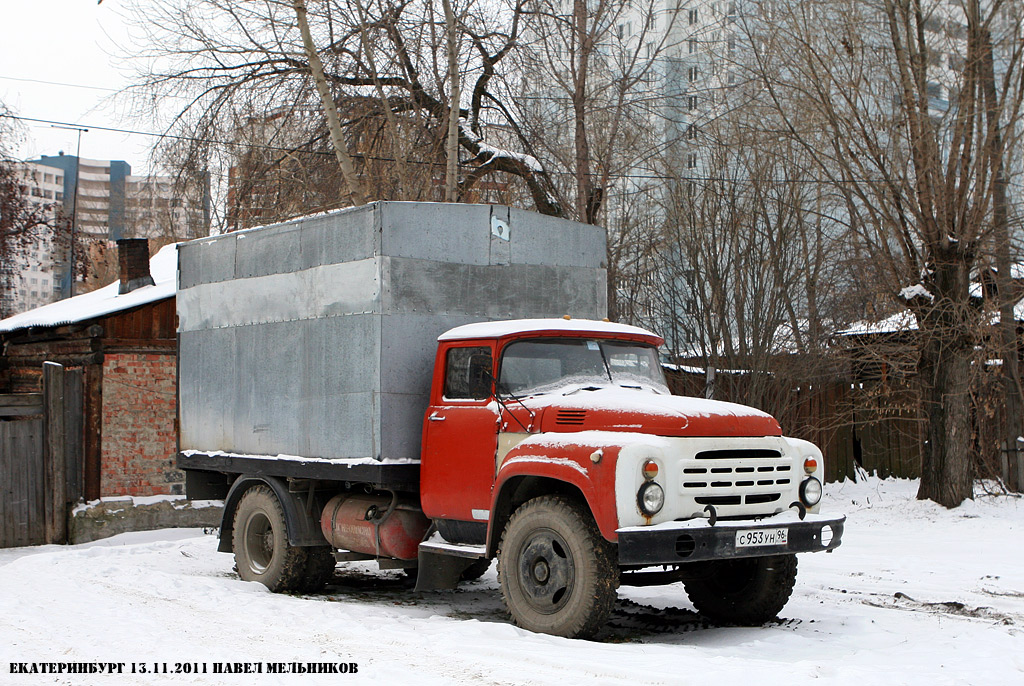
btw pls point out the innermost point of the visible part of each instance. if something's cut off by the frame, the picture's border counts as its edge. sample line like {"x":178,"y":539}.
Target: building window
{"x":691,"y":132}
{"x":693,"y":17}
{"x":691,"y":161}
{"x":691,"y":73}
{"x":691,"y":102}
{"x":692,"y":43}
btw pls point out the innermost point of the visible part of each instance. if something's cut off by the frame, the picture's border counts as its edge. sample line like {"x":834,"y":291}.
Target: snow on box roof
{"x":515,"y":326}
{"x":164,"y":268}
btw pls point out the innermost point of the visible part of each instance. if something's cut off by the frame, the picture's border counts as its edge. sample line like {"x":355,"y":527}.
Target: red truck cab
{"x":570,"y":423}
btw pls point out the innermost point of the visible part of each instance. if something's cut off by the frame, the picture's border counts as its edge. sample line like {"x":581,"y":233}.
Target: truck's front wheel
{"x":260,"y":542}
{"x":746,"y":591}
{"x":557,"y":573}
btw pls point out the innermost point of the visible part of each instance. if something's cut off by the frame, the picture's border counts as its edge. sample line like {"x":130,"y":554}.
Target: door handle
{"x":435,"y":418}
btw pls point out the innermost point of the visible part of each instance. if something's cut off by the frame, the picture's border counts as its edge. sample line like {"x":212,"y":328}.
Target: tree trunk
{"x":452,"y":145}
{"x":1007,"y":292}
{"x":316,"y":68}
{"x":584,"y":185}
{"x":946,"y":469}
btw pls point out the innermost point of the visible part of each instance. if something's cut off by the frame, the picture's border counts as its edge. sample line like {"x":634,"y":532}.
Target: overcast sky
{"x":68,"y":42}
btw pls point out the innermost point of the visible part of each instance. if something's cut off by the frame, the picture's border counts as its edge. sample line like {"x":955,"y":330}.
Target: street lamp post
{"x":74,"y":204}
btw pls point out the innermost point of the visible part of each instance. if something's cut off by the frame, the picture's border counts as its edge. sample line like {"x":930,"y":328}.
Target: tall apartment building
{"x":104,"y":202}
{"x":34,"y":278}
{"x":93,"y":205}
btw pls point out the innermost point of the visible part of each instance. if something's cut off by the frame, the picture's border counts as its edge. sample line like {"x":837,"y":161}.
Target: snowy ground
{"x":915,"y":595}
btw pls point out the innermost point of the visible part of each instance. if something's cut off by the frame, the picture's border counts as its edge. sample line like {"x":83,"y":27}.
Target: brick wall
{"x":138,"y":441}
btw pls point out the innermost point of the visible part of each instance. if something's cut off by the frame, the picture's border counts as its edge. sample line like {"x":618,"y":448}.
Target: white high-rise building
{"x":35,"y":279}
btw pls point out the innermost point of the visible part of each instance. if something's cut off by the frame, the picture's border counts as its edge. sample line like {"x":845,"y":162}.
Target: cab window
{"x":468,"y":374}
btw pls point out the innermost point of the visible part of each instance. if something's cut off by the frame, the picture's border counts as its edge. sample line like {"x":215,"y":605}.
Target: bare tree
{"x":593,"y":93}
{"x":316,"y":68}
{"x":247,"y":65}
{"x":888,"y":98}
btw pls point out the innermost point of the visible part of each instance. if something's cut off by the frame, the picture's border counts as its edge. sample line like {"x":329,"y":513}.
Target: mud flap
{"x":441,"y":565}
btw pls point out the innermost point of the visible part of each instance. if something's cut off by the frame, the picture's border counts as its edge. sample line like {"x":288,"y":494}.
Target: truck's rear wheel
{"x":557,"y":573}
{"x":746,"y":591}
{"x":260,"y":542}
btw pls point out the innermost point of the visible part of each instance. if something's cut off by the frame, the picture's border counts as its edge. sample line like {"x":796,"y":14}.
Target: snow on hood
{"x":613,"y":399}
{"x":163,"y":267}
{"x":634,"y":410}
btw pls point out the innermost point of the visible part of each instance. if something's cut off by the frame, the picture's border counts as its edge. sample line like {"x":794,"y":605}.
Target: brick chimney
{"x":133,"y":264}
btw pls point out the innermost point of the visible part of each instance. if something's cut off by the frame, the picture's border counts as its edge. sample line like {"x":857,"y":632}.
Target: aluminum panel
{"x":537,"y":239}
{"x":308,"y":387}
{"x":436,"y":231}
{"x":327,"y":291}
{"x":207,"y":389}
{"x":339,"y":237}
{"x":492,"y":292}
{"x":207,"y":260}
{"x":276,"y":251}
{"x":402,"y":414}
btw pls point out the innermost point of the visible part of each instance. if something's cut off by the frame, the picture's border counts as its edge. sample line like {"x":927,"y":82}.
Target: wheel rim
{"x":547,"y":573}
{"x":259,"y":542}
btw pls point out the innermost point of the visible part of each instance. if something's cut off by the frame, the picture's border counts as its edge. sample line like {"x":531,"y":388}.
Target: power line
{"x":612,"y":177}
{"x":58,"y":83}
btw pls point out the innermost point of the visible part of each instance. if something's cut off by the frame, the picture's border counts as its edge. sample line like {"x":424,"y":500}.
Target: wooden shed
{"x":123,"y":339}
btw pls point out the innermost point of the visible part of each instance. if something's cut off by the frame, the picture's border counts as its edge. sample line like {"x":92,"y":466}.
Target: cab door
{"x":460,"y":437}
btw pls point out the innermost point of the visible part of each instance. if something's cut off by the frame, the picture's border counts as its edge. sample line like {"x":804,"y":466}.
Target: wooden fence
{"x":40,"y":459}
{"x":857,"y":426}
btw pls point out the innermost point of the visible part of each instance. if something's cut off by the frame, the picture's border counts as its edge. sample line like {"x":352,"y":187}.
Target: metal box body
{"x":317,"y":337}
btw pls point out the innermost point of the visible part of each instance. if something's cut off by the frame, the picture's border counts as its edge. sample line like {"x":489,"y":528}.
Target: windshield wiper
{"x":533,"y":415}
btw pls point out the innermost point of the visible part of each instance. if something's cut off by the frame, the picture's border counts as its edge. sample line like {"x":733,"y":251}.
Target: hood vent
{"x":570,"y":417}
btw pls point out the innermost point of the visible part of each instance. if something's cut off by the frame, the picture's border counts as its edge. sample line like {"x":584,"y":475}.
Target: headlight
{"x":650,"y":498}
{"x":810,"y":491}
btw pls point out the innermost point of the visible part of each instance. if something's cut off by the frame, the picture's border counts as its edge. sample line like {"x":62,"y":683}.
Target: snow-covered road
{"x":916,"y":595}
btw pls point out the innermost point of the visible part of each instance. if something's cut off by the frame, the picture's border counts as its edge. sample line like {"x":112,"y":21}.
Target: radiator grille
{"x":737,"y":477}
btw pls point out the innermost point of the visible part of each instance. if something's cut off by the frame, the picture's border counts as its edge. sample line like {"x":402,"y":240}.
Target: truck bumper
{"x":697,"y":540}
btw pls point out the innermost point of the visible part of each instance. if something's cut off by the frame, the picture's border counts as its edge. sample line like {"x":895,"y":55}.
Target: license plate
{"x":761,"y":537}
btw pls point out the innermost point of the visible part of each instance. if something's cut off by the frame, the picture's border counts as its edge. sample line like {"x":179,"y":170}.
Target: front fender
{"x":585,"y":460}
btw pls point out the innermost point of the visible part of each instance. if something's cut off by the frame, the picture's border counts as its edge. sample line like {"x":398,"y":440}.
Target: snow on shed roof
{"x":164,"y":268}
{"x":901,"y":321}
{"x":513,"y":326}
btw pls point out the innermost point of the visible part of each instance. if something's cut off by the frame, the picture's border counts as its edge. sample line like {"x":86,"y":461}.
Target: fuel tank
{"x":373,"y":525}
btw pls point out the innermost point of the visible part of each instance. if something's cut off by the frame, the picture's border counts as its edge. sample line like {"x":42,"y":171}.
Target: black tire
{"x":260,"y":542}
{"x":476,"y":570}
{"x":320,"y":565}
{"x":558,"y":575}
{"x":744,"y":592}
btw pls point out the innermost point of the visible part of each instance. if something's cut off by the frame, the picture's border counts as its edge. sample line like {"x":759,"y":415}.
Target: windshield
{"x":568,"y":364}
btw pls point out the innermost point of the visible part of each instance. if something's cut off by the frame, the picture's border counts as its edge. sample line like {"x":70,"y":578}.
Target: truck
{"x":435,"y":387}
